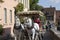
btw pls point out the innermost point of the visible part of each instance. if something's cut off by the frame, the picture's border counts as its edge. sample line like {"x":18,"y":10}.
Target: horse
{"x":18,"y":27}
{"x":34,"y":28}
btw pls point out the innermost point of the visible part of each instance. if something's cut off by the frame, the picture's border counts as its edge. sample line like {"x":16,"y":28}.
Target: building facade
{"x":49,"y":13}
{"x":58,"y":17}
{"x":52,"y":15}
{"x":25,"y":3}
{"x":7,"y":15}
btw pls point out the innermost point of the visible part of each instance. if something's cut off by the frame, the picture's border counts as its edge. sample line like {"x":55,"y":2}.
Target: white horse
{"x":28,"y":23}
{"x":17,"y":28}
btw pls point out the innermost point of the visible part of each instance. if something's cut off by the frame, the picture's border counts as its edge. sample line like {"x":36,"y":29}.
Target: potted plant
{"x":1,"y":1}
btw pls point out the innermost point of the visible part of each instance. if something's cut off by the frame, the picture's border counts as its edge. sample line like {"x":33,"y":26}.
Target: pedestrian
{"x":46,"y":27}
{"x":37,"y":20}
{"x":49,"y":25}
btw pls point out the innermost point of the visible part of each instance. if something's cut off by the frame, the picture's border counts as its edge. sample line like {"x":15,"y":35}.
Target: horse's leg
{"x":33,"y":33}
{"x":15,"y":38}
{"x":37,"y":36}
{"x":29,"y":36}
{"x":20,"y":36}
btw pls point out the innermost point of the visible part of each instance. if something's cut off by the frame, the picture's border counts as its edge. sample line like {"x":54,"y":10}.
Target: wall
{"x":50,"y":13}
{"x":58,"y":16}
{"x":9,"y":5}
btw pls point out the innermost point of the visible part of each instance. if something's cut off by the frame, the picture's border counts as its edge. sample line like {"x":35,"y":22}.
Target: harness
{"x":28,"y":25}
{"x":17,"y":28}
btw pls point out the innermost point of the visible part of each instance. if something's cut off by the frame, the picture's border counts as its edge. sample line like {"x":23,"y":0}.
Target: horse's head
{"x":25,"y":18}
{"x":17,"y":21}
{"x":18,"y":24}
{"x":28,"y":21}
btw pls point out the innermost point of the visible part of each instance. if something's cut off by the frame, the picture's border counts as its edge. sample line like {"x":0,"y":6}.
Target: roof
{"x":49,"y":9}
{"x":30,"y":12}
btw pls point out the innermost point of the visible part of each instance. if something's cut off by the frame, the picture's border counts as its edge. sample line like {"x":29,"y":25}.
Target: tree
{"x":19,"y":7}
{"x":33,"y":1}
{"x":1,"y":0}
{"x":34,"y":5}
{"x":38,"y":7}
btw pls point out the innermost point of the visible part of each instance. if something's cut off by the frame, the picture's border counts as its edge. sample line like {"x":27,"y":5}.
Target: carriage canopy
{"x":30,"y":13}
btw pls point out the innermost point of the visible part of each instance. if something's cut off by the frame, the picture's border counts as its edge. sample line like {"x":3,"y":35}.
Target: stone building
{"x":7,"y":13}
{"x":50,"y":14}
{"x":58,"y":17}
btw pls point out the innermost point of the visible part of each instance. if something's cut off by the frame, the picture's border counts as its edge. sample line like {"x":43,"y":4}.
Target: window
{"x":50,"y":18}
{"x":5,"y":15}
{"x":46,"y":13}
{"x":11,"y":16}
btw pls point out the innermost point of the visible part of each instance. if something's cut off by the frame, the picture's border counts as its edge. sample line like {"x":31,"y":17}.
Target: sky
{"x":48,"y":3}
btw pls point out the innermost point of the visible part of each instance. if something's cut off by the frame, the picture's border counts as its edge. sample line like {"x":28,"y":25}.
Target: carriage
{"x":31,"y":14}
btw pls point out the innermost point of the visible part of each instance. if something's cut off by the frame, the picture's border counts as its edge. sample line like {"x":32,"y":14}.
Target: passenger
{"x":37,"y":20}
